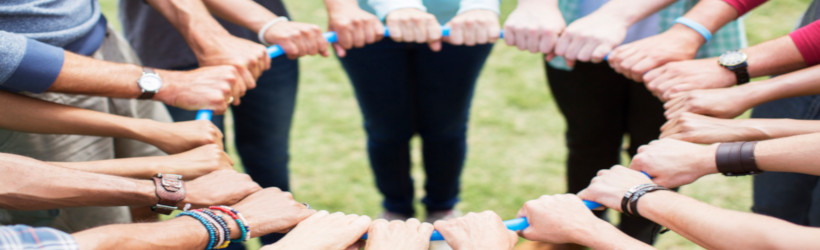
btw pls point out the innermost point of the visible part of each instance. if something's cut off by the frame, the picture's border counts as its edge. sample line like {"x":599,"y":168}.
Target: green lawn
{"x":516,"y":133}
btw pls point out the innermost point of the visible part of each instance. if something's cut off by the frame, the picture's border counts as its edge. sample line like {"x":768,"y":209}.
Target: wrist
{"x":687,"y":37}
{"x":707,"y":162}
{"x":167,"y":93}
{"x":146,"y":192}
{"x":600,"y":229}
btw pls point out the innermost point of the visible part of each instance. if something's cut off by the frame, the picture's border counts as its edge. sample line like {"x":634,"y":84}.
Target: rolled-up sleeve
{"x":27,"y":64}
{"x":491,"y":5}
{"x":26,"y":237}
{"x":384,"y":7}
{"x":744,"y":6}
{"x":805,"y":39}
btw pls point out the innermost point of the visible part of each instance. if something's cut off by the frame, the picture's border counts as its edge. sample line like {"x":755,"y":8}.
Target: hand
{"x":271,"y":210}
{"x":473,"y":27}
{"x":483,"y":230}
{"x":297,"y":39}
{"x":413,"y":25}
{"x":609,"y":187}
{"x":722,"y":103}
{"x":354,"y":27}
{"x":558,"y":219}
{"x":179,"y":137}
{"x":634,"y":59}
{"x":681,"y":76}
{"x":703,"y":129}
{"x":396,"y":234}
{"x":250,"y":60}
{"x":202,"y":88}
{"x":197,"y":162}
{"x":673,"y":163}
{"x":534,"y":26}
{"x":324,"y":231}
{"x":223,"y":187}
{"x":590,"y":38}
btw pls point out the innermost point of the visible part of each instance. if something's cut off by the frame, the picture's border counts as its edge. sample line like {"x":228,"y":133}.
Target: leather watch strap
{"x":170,"y":190}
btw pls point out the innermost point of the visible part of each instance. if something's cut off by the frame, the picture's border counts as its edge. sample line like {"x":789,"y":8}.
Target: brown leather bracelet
{"x":736,"y":158}
{"x":170,"y":190}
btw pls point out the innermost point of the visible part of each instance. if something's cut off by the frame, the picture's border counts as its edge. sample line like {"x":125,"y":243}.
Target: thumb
{"x":340,"y":51}
{"x":435,"y":46}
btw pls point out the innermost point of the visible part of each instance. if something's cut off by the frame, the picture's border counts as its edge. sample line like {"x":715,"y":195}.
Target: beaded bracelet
{"x":220,"y":231}
{"x":208,"y":226}
{"x":227,"y":236}
{"x":240,"y":221}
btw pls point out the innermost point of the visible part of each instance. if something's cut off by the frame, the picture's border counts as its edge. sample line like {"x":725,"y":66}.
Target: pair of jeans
{"x":600,"y":106}
{"x":262,"y":126}
{"x":789,"y":196}
{"x":405,"y":89}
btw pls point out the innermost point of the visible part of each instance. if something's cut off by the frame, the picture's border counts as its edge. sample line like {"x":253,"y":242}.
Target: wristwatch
{"x":170,"y":191}
{"x":149,"y":82}
{"x":735,"y":61}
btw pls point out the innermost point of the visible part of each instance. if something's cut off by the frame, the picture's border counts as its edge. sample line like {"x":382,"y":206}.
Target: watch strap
{"x":170,"y":190}
{"x":742,"y":74}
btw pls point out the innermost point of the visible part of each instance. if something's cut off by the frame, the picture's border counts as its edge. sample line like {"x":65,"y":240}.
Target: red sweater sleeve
{"x":807,"y":40}
{"x":743,"y":6}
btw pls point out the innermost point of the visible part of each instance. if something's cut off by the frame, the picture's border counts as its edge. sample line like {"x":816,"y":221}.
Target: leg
{"x":446,"y":81}
{"x":380,"y":74}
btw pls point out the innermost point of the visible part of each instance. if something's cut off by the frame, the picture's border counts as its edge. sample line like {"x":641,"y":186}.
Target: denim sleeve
{"x":27,"y":64}
{"x":491,"y":5}
{"x":383,"y":7}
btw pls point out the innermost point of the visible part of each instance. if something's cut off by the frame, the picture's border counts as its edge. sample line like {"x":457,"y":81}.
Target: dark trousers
{"x":600,"y":106}
{"x":262,"y":127}
{"x":405,"y":89}
{"x":789,"y":196}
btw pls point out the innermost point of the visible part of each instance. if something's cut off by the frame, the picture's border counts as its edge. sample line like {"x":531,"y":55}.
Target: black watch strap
{"x":742,"y":74}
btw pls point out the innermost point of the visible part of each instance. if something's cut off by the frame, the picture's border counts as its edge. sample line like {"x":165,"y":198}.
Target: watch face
{"x":732,"y":58}
{"x":150,"y":82}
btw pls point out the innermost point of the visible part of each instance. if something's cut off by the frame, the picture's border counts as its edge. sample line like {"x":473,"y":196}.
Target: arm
{"x":703,"y":129}
{"x":191,"y":164}
{"x":37,"y":116}
{"x":731,"y":102}
{"x":564,"y":218}
{"x":592,"y":37}
{"x":708,"y":226}
{"x":323,"y":230}
{"x":539,"y":17}
{"x":678,"y":43}
{"x":296,"y":39}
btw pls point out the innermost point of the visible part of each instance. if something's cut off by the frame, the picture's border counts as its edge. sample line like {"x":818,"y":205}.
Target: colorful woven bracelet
{"x":220,"y":231}
{"x":208,"y":226}
{"x":227,"y":236}
{"x":243,"y":224}
{"x":228,"y":210}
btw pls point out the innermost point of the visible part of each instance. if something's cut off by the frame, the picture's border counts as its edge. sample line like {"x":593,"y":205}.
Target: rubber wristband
{"x":695,"y":26}
{"x":264,"y":29}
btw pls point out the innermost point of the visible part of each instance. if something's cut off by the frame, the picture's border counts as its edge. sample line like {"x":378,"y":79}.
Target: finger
{"x":396,"y":33}
{"x":674,"y":102}
{"x":470,"y":33}
{"x":652,"y":76}
{"x":419,"y":31}
{"x":493,"y":32}
{"x":574,"y":49}
{"x":340,"y":52}
{"x":510,"y":35}
{"x":679,"y":88}
{"x":533,"y":38}
{"x":359,"y":35}
{"x":309,"y":40}
{"x":597,"y":55}
{"x":345,"y":37}
{"x":547,"y":43}
{"x":456,"y":34}
{"x":321,"y":42}
{"x":370,"y":34}
{"x":563,"y":44}
{"x":291,"y":48}
{"x":668,"y":125}
{"x":642,"y":67}
{"x":521,"y":40}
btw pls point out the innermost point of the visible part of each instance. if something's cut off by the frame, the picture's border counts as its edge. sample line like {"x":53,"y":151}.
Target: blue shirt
{"x":20,"y":237}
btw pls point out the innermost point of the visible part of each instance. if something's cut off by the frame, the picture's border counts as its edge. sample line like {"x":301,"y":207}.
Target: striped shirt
{"x":19,"y":237}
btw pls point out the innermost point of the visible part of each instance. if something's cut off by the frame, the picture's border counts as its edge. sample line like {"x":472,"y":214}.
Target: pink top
{"x":743,"y":6}
{"x":805,"y":39}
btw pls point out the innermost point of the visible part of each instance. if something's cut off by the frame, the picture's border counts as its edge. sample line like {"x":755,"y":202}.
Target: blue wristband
{"x":695,"y":26}
{"x":208,"y":226}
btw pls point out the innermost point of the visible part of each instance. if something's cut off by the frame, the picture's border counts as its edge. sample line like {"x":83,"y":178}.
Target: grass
{"x":516,"y":138}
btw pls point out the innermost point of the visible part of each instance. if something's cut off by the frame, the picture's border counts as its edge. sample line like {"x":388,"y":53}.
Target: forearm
{"x":193,"y":21}
{"x":795,"y":154}
{"x":776,"y":56}
{"x":31,"y":184}
{"x":609,"y":237}
{"x":138,"y":167}
{"x":179,"y":233}
{"x":712,"y":14}
{"x":632,"y":11}
{"x":799,"y":83}
{"x":245,"y":13}
{"x":779,"y":128}
{"x":710,"y":226}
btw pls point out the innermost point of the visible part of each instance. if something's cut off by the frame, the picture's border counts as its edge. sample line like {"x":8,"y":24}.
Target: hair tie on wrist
{"x":261,"y":34}
{"x":703,"y":31}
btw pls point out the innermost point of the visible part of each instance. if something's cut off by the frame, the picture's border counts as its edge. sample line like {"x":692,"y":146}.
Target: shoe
{"x":432,"y":217}
{"x":391,"y":216}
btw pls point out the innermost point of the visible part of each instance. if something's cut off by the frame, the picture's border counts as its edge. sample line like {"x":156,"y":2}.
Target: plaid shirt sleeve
{"x":20,"y":237}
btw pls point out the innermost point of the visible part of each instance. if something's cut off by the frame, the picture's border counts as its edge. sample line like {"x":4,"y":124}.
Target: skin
{"x":534,"y":26}
{"x":708,"y":226}
{"x":473,"y":27}
{"x":703,"y":129}
{"x":414,"y":26}
{"x":354,"y":27}
{"x":323,"y":230}
{"x":259,"y":209}
{"x":483,"y":230}
{"x":564,"y":219}
{"x":591,"y":38}
{"x":399,"y":235}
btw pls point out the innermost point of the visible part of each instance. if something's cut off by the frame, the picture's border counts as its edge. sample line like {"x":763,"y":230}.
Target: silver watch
{"x":149,"y":82}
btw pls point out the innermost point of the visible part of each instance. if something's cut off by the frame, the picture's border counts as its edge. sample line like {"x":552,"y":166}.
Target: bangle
{"x":208,"y":226}
{"x":633,"y":201}
{"x":695,"y":26}
{"x":264,"y":29}
{"x":736,"y":158}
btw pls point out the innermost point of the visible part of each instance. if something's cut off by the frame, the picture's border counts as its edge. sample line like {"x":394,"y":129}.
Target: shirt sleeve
{"x":743,"y":6}
{"x":384,"y":7}
{"x":491,"y":5}
{"x":26,"y":237}
{"x":805,"y":39}
{"x":27,"y":64}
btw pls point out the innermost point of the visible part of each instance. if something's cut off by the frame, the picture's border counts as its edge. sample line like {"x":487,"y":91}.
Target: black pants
{"x":600,"y":106}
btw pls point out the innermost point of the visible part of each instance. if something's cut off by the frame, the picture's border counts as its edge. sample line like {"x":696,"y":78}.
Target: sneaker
{"x":391,"y":216}
{"x":432,"y":217}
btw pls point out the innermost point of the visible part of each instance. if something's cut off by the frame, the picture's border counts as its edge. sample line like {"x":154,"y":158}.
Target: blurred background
{"x":516,"y":142}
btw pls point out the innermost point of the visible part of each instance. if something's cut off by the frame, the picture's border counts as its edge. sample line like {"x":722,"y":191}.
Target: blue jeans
{"x":405,"y":89}
{"x":789,"y":196}
{"x":262,"y":126}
